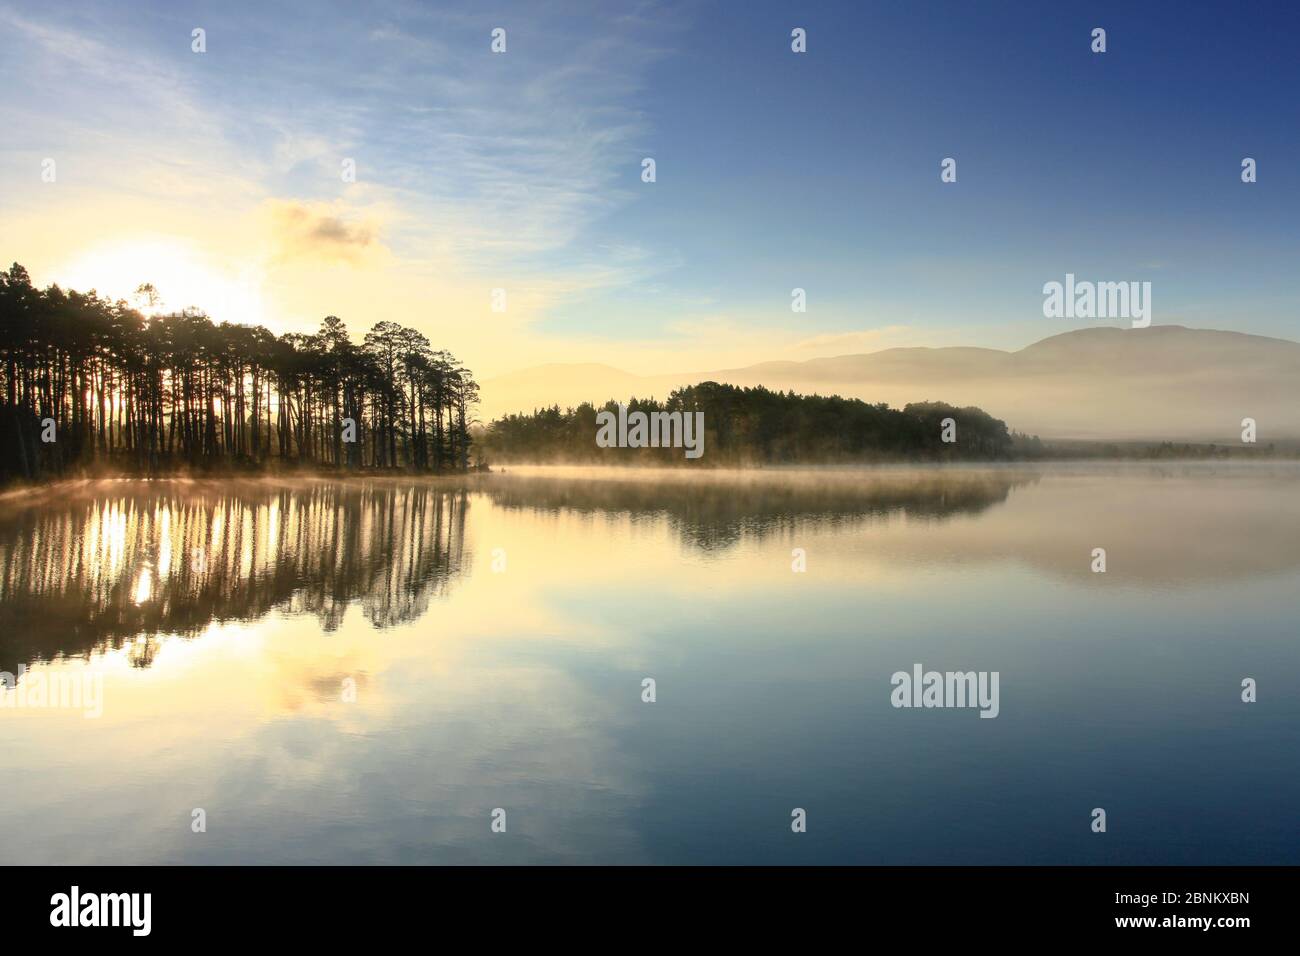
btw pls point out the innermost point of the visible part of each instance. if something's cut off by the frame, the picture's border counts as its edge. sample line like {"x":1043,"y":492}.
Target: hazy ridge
{"x":1163,"y":382}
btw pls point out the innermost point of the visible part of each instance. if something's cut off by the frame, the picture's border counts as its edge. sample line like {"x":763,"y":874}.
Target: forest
{"x":758,"y":426}
{"x":92,"y":386}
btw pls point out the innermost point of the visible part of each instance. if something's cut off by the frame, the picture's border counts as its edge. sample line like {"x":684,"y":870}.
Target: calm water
{"x":495,"y":634}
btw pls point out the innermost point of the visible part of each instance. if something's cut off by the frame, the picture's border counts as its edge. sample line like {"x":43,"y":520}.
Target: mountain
{"x":1157,"y":383}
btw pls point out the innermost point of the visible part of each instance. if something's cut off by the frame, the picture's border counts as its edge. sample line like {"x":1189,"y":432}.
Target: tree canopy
{"x":757,"y":426}
{"x":86,"y":383}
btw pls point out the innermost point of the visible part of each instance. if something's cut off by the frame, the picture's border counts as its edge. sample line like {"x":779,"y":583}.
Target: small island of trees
{"x":758,"y":426}
{"x":92,"y":386}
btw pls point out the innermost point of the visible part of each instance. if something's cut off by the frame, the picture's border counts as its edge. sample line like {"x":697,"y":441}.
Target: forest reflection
{"x":714,"y":511}
{"x":161,"y":558}
{"x":118,"y":564}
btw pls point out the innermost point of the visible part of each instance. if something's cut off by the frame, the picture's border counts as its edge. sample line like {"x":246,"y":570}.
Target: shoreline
{"x":22,"y":493}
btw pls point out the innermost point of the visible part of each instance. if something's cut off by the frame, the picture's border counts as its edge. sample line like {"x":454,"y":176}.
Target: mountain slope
{"x":1163,"y":382}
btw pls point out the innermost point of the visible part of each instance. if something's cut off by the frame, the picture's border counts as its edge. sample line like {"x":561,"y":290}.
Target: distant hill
{"x":1162,"y":382}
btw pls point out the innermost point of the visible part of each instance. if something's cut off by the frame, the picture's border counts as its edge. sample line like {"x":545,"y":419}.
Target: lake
{"x":392,"y":671}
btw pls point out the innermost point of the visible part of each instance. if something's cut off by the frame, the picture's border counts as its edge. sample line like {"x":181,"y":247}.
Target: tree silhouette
{"x":120,"y":390}
{"x":757,"y":426}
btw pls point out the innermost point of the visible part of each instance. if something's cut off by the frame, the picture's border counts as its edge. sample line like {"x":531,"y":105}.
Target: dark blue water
{"x":356,"y":673}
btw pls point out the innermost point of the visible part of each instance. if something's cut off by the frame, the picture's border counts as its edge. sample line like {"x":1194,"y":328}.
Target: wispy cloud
{"x":473,"y":169}
{"x":307,"y":231}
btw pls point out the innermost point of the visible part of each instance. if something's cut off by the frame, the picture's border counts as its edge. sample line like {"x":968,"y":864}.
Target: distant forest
{"x":758,"y":426}
{"x":118,"y":390}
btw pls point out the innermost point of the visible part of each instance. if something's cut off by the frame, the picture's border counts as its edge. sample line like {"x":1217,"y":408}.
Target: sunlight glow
{"x":182,"y":273}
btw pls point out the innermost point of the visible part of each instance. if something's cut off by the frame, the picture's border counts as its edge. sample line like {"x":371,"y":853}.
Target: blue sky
{"x":774,"y":169}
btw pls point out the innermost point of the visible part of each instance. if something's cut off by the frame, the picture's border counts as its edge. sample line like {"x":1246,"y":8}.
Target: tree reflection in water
{"x":109,"y":564}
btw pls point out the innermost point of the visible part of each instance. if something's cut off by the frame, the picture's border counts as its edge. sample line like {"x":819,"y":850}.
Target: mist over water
{"x":497,"y":630}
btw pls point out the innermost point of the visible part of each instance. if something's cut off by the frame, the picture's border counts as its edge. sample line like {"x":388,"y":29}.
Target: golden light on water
{"x":143,"y":585}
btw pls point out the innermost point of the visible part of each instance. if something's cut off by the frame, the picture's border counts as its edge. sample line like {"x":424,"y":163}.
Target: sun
{"x":183,"y":275}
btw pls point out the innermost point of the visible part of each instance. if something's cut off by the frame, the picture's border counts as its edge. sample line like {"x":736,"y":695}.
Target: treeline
{"x":88,"y":384}
{"x":1070,"y":450}
{"x":757,"y":426}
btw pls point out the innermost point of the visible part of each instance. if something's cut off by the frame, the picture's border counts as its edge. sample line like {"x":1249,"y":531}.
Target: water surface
{"x":361,"y":672}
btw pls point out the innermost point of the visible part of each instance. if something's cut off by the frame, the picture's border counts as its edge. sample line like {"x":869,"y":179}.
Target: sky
{"x":218,"y":176}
